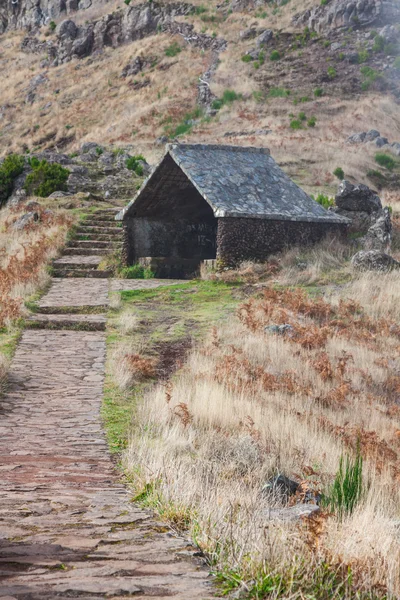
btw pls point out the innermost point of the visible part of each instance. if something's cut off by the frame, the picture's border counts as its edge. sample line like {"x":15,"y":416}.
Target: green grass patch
{"x":384,"y":160}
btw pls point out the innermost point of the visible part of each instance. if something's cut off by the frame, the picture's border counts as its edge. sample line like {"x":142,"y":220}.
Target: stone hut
{"x":228,"y":203}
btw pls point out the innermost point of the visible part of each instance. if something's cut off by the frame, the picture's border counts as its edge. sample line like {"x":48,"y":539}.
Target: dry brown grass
{"x":24,"y":256}
{"x":249,"y":404}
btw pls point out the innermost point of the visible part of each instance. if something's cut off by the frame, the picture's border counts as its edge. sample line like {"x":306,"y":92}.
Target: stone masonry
{"x":68,"y":527}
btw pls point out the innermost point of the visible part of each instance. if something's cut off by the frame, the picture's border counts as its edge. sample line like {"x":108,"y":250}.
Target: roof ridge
{"x":230,"y":148}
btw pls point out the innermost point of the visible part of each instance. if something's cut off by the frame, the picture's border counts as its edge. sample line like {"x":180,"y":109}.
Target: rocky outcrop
{"x":32,"y":14}
{"x":364,"y":208}
{"x":118,"y":28}
{"x":373,"y":260}
{"x":373,"y":136}
{"x":97,"y":170}
{"x":344,"y":14}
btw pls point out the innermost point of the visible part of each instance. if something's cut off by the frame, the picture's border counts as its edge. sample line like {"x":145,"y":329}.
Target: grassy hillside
{"x":88,"y":99}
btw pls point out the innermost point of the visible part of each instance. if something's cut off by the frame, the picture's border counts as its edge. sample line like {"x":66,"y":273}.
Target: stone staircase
{"x":96,"y":236}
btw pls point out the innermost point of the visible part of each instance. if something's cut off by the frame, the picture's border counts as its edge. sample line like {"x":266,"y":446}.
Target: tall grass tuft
{"x":347,"y":489}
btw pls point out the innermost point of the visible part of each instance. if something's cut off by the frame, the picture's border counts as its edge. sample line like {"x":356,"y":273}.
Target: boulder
{"x":371,"y":135}
{"x":360,"y":220}
{"x":265,"y":37}
{"x":395,"y":148}
{"x":281,"y":486}
{"x":373,"y":260}
{"x":356,"y":138}
{"x":357,"y":198}
{"x":379,"y":234}
{"x":381,"y":141}
{"x":17,"y":198}
{"x":279,"y":329}
{"x":26,"y":220}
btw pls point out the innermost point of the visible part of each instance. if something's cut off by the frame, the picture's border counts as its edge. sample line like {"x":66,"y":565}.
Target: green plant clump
{"x":384,"y":160}
{"x":347,"y":489}
{"x":136,"y":272}
{"x":324,"y":201}
{"x":228,"y":97}
{"x":379,"y":43}
{"x":296,"y":124}
{"x":396,"y":64}
{"x":12,"y":166}
{"x":133,"y":164}
{"x":246,"y":58}
{"x":52,"y":25}
{"x":331,"y":73}
{"x":278,"y":93}
{"x":339,"y":173}
{"x":45,"y":178}
{"x":173,"y":49}
{"x":318,"y":92}
{"x":275,"y":55}
{"x":312,"y":121}
{"x":302,"y":116}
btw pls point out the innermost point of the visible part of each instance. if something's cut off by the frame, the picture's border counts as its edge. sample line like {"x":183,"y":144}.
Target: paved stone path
{"x":67,"y":526}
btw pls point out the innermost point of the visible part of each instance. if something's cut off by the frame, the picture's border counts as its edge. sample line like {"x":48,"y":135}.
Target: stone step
{"x":94,"y":244}
{"x":99,"y":236}
{"x":98,"y":222}
{"x":92,"y":273}
{"x":74,"y":251}
{"x":89,"y":229}
{"x":96,"y":322}
{"x":78,"y":261}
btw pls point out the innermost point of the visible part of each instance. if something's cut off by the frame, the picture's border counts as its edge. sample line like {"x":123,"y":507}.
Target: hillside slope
{"x":298,"y":77}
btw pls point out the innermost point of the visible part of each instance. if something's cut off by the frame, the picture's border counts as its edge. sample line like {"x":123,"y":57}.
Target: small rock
{"x":59,"y":194}
{"x":279,"y":329}
{"x":356,"y":138}
{"x":374,"y":260}
{"x":395,"y":148}
{"x":32,"y":206}
{"x":292,"y":513}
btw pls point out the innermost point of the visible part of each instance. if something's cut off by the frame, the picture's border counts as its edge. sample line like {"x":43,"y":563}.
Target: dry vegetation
{"x":24,"y":256}
{"x":249,"y":404}
{"x":64,"y":114}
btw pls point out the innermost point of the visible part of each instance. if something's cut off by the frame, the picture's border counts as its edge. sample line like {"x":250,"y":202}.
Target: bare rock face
{"x":373,"y":260}
{"x":112,"y":30}
{"x":354,"y":13}
{"x":32,"y":14}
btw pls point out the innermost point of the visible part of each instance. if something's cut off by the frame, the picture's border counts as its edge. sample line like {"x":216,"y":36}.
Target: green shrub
{"x":376,"y":174}
{"x":347,"y":489}
{"x":324,"y":201}
{"x":99,"y":151}
{"x":200,"y":10}
{"x":302,"y":116}
{"x":362,"y":56}
{"x":275,"y":55}
{"x":246,"y":58}
{"x":384,"y":160}
{"x":390,"y":49}
{"x":136,"y":272}
{"x":230,"y":96}
{"x":331,"y":72}
{"x":296,"y":124}
{"x":370,"y":76}
{"x":133,"y":164}
{"x":379,"y":43}
{"x":173,"y":49}
{"x":12,"y":166}
{"x":46,"y":178}
{"x":52,"y":25}
{"x":396,"y":63}
{"x":324,"y":2}
{"x":318,"y":92}
{"x":278,"y":93}
{"x":312,"y":122}
{"x":339,"y":173}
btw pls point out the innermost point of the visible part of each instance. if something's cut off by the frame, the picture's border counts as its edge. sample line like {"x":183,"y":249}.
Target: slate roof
{"x":241,"y":181}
